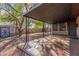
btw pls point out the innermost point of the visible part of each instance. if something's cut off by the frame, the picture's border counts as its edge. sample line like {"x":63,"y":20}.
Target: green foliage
{"x":4,"y":17}
{"x":14,"y":12}
{"x":38,"y":24}
{"x":12,"y":9}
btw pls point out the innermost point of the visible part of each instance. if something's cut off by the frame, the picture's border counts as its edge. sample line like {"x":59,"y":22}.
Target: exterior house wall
{"x":71,"y":29}
{"x":78,"y":32}
{"x":61,"y":32}
{"x":6,"y":31}
{"x":77,"y":22}
{"x":12,"y":31}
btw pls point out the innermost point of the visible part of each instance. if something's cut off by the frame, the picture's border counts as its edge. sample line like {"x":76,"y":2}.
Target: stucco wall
{"x":78,"y":32}
{"x":77,"y":22}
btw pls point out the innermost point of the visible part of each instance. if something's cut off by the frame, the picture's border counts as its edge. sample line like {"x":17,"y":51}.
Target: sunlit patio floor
{"x":49,"y":46}
{"x":52,"y":45}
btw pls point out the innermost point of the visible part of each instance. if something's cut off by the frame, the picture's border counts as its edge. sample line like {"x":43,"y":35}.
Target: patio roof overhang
{"x":53,"y":12}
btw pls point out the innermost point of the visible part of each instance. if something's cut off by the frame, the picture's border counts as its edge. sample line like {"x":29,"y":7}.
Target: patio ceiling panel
{"x":51,"y":13}
{"x":75,"y":9}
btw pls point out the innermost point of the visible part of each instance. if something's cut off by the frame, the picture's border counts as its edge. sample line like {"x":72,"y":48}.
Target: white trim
{"x":58,"y":28}
{"x":66,"y":27}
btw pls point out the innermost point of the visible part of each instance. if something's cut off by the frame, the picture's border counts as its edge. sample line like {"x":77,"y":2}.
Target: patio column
{"x":9,"y":32}
{"x":77,"y":22}
{"x":58,"y":27}
{"x":27,"y":33}
{"x":50,"y":29}
{"x":43,"y":30}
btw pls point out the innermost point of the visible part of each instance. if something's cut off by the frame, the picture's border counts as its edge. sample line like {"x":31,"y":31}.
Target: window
{"x":55,"y":27}
{"x":62,"y":27}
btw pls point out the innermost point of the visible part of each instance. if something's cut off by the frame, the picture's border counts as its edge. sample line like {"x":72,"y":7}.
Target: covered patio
{"x":57,"y":13}
{"x":59,"y":39}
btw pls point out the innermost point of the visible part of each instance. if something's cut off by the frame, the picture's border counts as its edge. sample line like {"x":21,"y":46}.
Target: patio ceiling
{"x":51,"y":13}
